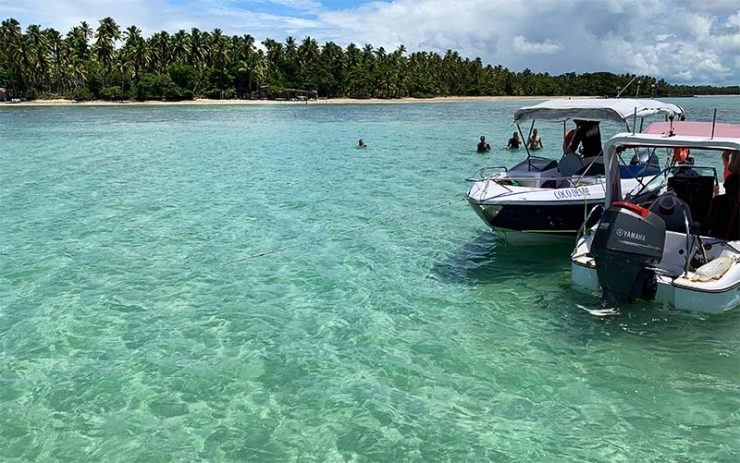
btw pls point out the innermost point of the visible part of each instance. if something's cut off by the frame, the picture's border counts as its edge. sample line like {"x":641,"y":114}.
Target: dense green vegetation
{"x":114,"y":64}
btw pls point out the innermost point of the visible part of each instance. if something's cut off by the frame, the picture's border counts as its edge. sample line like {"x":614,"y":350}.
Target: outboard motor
{"x":629,"y":238}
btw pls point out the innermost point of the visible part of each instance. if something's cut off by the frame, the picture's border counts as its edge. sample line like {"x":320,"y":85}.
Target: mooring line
{"x":338,"y":234}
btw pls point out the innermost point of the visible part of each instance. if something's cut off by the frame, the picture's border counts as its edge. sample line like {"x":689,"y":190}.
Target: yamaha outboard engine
{"x":629,"y":238}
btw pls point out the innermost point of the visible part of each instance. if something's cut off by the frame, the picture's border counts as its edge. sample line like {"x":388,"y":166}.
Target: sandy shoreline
{"x":331,"y":101}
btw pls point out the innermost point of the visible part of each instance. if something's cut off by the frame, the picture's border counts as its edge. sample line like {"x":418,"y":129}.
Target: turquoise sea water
{"x":134,"y":326}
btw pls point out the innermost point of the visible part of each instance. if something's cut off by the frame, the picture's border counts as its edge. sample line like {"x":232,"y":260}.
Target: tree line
{"x":114,"y":64}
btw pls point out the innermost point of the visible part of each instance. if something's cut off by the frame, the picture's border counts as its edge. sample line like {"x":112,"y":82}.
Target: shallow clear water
{"x":135,"y":327}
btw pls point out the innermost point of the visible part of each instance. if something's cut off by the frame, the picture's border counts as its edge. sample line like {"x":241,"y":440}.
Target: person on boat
{"x":483,"y":147}
{"x":514,"y":141}
{"x":588,"y":136}
{"x":722,"y":220}
{"x":361,"y":144}
{"x":535,"y":141}
{"x":730,"y":162}
{"x":566,"y":141}
{"x":681,"y":155}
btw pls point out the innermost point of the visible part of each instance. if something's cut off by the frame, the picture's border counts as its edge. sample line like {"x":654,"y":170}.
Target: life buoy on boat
{"x":712,"y":270}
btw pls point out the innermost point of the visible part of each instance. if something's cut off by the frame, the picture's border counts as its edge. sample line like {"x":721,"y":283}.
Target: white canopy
{"x":613,"y":190}
{"x":596,"y":109}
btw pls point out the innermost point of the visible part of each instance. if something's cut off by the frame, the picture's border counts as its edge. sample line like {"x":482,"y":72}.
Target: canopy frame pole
{"x":531,"y":128}
{"x":714,"y":122}
{"x":634,"y":121}
{"x":565,"y":132}
{"x":625,"y":87}
{"x":526,"y":148}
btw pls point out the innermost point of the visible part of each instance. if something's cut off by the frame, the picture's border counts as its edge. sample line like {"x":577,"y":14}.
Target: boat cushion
{"x":712,"y":270}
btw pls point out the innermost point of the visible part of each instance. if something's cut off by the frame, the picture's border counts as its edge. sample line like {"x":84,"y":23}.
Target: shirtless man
{"x":535,"y":141}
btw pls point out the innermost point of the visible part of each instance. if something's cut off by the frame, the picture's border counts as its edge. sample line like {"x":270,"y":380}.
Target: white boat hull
{"x":706,"y":297}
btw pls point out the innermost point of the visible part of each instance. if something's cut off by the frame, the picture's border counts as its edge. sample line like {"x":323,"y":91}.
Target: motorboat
{"x":541,"y":199}
{"x":676,"y":240}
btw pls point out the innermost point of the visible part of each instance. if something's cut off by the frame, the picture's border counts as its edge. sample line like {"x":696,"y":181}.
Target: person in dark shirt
{"x":514,"y":141}
{"x":483,"y":147}
{"x":588,"y":136}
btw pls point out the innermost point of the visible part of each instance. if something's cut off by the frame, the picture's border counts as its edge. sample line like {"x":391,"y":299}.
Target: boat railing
{"x":585,"y":227}
{"x":573,"y":181}
{"x":481,"y":174}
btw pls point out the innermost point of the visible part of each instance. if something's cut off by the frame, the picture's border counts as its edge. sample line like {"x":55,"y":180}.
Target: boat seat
{"x":671,"y":209}
{"x":569,"y":164}
{"x":592,"y":166}
{"x":541,"y":164}
{"x":695,"y":190}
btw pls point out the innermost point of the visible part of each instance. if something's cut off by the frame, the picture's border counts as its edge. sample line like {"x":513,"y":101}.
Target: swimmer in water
{"x":483,"y":147}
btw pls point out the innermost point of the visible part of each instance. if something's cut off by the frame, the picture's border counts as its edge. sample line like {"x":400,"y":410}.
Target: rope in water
{"x":341,"y":233}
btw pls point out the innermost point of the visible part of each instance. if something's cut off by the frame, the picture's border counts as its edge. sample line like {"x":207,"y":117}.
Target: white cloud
{"x":522,"y":45}
{"x":700,"y":26}
{"x":693,"y":40}
{"x":715,"y":7}
{"x":734,"y":20}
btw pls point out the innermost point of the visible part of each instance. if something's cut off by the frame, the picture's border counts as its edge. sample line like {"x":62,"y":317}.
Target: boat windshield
{"x":677,"y":177}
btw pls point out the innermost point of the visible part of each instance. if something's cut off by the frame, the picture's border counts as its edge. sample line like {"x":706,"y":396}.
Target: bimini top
{"x":596,"y":109}
{"x":694,"y":129}
{"x":729,"y":140}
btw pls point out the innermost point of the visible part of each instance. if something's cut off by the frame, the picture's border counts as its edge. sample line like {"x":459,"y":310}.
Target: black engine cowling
{"x":629,"y":238}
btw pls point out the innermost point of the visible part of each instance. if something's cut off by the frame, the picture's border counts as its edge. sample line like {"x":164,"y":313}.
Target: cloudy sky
{"x":683,"y":41}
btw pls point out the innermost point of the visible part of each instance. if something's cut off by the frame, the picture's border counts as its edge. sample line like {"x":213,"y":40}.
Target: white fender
{"x":712,"y":270}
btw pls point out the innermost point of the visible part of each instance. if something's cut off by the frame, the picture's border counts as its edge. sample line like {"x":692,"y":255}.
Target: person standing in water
{"x":483,"y":147}
{"x":535,"y":141}
{"x":514,"y":141}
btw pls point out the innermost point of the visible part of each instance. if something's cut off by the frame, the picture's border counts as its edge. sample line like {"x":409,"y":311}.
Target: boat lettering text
{"x":571,"y":193}
{"x":630,"y":234}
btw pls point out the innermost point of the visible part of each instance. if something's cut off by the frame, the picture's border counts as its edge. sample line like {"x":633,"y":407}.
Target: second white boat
{"x":539,"y":199}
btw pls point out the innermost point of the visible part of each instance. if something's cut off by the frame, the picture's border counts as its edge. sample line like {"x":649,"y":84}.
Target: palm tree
{"x":38,"y":49}
{"x":219,"y":47}
{"x":77,"y":54}
{"x":290,"y":65}
{"x":308,"y":56}
{"x":180,"y":46}
{"x":106,"y":36}
{"x":254,"y":67}
{"x":198,"y":54}
{"x":135,"y":52}
{"x":333,"y":64}
{"x":273,"y":60}
{"x":160,"y":51}
{"x":11,"y":54}
{"x":78,"y":39}
{"x":57,"y":58}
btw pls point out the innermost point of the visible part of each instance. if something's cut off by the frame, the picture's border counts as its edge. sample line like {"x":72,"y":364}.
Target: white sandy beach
{"x":338,"y":101}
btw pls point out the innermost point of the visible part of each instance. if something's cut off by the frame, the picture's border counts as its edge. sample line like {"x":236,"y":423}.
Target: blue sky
{"x":683,"y":41}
